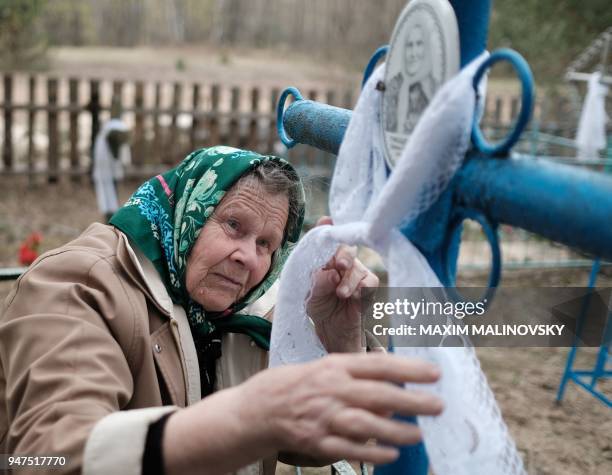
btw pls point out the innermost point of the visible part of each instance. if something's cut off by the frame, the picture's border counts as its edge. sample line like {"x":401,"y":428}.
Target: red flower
{"x":28,"y":251}
{"x":26,"y":255}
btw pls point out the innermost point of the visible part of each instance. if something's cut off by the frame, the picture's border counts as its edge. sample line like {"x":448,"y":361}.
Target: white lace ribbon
{"x":470,"y":436}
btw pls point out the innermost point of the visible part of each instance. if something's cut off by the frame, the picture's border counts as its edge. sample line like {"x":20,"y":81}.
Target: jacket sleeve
{"x":117,"y":442}
{"x":66,"y":374}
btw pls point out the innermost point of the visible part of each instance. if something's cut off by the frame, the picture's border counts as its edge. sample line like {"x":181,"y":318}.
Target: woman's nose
{"x":246,"y":253}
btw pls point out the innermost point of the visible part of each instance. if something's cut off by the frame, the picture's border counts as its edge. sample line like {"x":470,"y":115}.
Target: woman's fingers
{"x":340,"y":448}
{"x":325,"y":282}
{"x":377,"y":396}
{"x":354,"y":274}
{"x":370,"y":386}
{"x":387,"y":367}
{"x":345,"y":256}
{"x":351,"y":281}
{"x":357,"y":425}
{"x":354,"y":278}
{"x":344,"y":273}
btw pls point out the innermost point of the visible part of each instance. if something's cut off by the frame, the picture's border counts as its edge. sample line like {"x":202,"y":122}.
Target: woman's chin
{"x":218,"y":302}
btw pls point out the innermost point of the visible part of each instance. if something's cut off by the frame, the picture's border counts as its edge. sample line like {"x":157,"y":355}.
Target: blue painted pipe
{"x":563,"y":203}
{"x":473,"y":22}
{"x":316,"y":124}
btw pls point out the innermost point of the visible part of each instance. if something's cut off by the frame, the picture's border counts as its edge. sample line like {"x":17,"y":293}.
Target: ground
{"x":574,"y":438}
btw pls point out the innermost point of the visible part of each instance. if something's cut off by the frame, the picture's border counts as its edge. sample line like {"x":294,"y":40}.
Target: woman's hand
{"x":334,"y":303}
{"x":325,"y":410}
{"x":330,"y":408}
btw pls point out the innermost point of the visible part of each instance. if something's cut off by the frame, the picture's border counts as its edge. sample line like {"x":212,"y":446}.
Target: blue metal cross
{"x":562,"y":203}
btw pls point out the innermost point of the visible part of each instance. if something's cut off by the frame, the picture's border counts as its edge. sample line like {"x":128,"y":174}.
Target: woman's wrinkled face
{"x":233,"y":252}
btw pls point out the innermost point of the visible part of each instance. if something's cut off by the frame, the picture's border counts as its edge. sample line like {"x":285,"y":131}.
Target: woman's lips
{"x":229,"y":280}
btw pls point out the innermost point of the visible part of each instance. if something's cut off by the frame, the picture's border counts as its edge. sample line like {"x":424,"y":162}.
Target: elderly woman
{"x":116,"y":348}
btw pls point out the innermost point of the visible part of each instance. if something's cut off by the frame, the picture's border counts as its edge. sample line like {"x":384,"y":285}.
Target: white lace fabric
{"x":469,"y":437}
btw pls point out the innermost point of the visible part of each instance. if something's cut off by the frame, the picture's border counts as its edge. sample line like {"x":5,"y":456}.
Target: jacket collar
{"x":153,"y":285}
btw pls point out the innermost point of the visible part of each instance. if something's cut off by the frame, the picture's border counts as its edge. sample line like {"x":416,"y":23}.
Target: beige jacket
{"x":92,"y":350}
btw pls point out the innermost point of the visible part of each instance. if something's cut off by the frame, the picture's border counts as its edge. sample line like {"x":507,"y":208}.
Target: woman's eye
{"x":263,"y":243}
{"x":232,"y":223}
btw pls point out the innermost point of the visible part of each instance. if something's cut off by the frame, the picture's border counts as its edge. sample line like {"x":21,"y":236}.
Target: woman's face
{"x":234,"y":250}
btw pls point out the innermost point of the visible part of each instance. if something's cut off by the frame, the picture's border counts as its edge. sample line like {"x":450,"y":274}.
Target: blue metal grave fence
{"x":588,"y":379}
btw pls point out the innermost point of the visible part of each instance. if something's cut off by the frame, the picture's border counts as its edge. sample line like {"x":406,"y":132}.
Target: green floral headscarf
{"x":165,"y":215}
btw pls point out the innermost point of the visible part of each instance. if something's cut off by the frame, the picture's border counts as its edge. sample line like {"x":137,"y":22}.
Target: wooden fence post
{"x":253,"y":137}
{"x":234,"y":124}
{"x":53,"y":131}
{"x":7,"y":149}
{"x":272,"y":134}
{"x":117,"y":100}
{"x":497,"y":113}
{"x":174,"y":152}
{"x":31,"y":125}
{"x":194,"y":139}
{"x":213,"y":124}
{"x":138,"y":139}
{"x":514,"y":107}
{"x":94,"y":109}
{"x":73,"y":92}
{"x":158,"y":143}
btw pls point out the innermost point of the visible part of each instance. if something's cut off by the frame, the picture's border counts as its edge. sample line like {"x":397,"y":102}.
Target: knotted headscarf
{"x":165,"y":216}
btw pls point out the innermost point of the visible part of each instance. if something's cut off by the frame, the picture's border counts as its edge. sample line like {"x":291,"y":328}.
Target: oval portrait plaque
{"x":423,"y":55}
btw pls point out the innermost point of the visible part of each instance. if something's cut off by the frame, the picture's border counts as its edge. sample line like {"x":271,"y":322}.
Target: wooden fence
{"x":50,"y":124}
{"x":55,"y":137}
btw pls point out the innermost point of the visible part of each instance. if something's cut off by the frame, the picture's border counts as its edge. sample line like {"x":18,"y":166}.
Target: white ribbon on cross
{"x":469,"y":437}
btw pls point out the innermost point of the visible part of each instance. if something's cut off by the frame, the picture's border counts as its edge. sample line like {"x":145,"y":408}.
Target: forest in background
{"x":549,"y":33}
